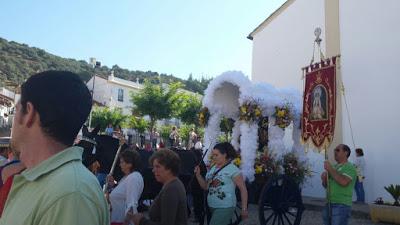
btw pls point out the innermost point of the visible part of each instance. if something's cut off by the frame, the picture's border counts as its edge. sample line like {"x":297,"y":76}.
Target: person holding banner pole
{"x":340,"y":179}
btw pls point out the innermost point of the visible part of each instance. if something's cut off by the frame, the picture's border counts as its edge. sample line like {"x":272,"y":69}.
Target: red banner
{"x":319,"y":104}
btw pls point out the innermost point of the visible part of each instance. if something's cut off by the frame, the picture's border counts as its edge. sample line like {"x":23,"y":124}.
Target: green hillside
{"x":18,"y":61}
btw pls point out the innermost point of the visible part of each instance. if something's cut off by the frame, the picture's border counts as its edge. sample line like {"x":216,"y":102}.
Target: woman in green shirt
{"x":221,"y":182}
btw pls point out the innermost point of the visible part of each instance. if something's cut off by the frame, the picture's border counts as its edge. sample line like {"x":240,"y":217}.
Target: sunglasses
{"x":337,"y":150}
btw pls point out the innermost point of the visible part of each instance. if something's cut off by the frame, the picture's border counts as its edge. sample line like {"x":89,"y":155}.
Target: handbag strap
{"x":216,"y":172}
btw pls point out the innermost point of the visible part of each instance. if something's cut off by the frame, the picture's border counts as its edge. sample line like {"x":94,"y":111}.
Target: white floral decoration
{"x":220,"y":98}
{"x":211,"y":132}
{"x":248,"y":147}
{"x":236,"y":135}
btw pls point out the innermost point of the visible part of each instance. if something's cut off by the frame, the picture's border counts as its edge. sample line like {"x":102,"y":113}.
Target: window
{"x":120,"y":95}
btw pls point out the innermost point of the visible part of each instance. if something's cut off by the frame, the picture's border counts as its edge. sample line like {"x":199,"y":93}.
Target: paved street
{"x":310,"y":217}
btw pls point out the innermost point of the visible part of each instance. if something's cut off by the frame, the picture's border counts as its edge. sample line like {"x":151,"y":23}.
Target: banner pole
{"x":328,"y":198}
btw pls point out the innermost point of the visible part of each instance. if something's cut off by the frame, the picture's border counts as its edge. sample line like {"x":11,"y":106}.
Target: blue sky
{"x":176,"y":37}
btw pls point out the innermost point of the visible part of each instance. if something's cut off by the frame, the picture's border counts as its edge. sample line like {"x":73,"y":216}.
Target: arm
{"x":10,"y":170}
{"x":134,"y":188}
{"x":243,"y":194}
{"x":324,"y":178}
{"x":200,"y":179}
{"x":341,"y":179}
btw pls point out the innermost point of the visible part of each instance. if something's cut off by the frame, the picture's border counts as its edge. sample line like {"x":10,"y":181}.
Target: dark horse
{"x":99,"y":153}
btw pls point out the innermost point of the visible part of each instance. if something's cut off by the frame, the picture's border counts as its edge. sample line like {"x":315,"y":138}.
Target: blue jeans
{"x":101,"y":177}
{"x":154,"y":143}
{"x":359,"y":187}
{"x":340,"y":214}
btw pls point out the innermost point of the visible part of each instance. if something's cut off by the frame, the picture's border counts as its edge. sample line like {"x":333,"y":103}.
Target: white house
{"x":114,"y":92}
{"x":366,"y":36}
{"x":6,"y":107}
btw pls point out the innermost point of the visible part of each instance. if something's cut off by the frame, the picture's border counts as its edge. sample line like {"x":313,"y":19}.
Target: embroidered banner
{"x":319,"y":104}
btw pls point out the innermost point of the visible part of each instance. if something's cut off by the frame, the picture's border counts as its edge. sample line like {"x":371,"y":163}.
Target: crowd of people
{"x":50,"y":185}
{"x":45,"y":181}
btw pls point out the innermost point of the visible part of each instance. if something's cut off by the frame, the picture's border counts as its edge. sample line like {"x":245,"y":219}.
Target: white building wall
{"x":126,"y":105}
{"x":101,"y":90}
{"x":285,"y":45}
{"x":370,"y":46}
{"x":280,"y":50}
{"x":106,"y":92}
{"x":8,"y":93}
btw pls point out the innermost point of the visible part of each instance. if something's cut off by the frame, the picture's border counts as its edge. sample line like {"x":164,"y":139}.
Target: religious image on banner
{"x":319,"y":104}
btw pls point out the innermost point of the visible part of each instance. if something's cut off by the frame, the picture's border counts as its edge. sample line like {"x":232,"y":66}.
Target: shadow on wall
{"x":313,"y":186}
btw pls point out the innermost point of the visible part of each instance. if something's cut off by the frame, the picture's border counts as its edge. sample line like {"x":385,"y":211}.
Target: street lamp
{"x":95,"y":64}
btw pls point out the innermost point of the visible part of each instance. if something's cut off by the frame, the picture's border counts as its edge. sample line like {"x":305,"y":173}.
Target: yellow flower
{"x":243,"y":109}
{"x":281,"y":113}
{"x":257,"y":112}
{"x":237,"y":161}
{"x":259,"y":169}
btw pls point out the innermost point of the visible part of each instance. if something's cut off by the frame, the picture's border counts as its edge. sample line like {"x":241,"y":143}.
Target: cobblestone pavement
{"x":308,"y":218}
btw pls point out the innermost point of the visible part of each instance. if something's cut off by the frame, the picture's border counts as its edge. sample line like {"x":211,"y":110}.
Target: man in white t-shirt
{"x":198,"y":144}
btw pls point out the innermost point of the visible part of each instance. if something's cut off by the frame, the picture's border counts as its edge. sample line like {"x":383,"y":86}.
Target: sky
{"x":179,"y":37}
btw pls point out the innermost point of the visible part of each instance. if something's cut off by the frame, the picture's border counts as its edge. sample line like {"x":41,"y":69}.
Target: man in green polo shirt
{"x":342,"y":178}
{"x":55,"y":188}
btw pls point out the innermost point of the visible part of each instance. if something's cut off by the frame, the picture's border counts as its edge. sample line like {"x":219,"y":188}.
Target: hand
{"x":107,"y":195}
{"x":327,"y":166}
{"x":135,"y":218}
{"x":324,"y":176}
{"x":197,"y":170}
{"x":128,"y":215}
{"x":244,"y":214}
{"x":110,"y":180}
{"x":121,"y":139}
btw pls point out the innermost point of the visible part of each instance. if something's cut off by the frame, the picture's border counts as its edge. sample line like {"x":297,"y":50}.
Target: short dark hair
{"x":62,"y":101}
{"x":359,"y":152}
{"x":169,"y":159}
{"x":132,"y":157}
{"x":346,"y":149}
{"x":226,"y":148}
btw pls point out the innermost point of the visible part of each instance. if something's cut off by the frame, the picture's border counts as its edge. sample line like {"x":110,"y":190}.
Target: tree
{"x":103,"y":116}
{"x":138,"y":123}
{"x":19,"y":61}
{"x":155,"y":101}
{"x":187,"y":108}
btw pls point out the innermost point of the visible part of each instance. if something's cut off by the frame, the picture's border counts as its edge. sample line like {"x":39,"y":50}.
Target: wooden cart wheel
{"x":280,"y":202}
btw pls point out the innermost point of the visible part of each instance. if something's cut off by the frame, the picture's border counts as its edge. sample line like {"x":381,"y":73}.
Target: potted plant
{"x":384,"y":211}
{"x":395,"y":192}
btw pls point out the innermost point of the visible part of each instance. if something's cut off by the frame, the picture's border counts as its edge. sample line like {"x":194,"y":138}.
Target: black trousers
{"x":198,"y":205}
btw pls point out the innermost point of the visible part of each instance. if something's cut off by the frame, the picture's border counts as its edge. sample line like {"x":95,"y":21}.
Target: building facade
{"x":365,"y":36}
{"x":114,"y":92}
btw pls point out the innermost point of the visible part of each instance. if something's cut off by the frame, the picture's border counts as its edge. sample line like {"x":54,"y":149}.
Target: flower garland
{"x":294,"y":168}
{"x":265,"y":164}
{"x":269,"y":164}
{"x":283,"y":116}
{"x":250,"y":111}
{"x":204,"y":116}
